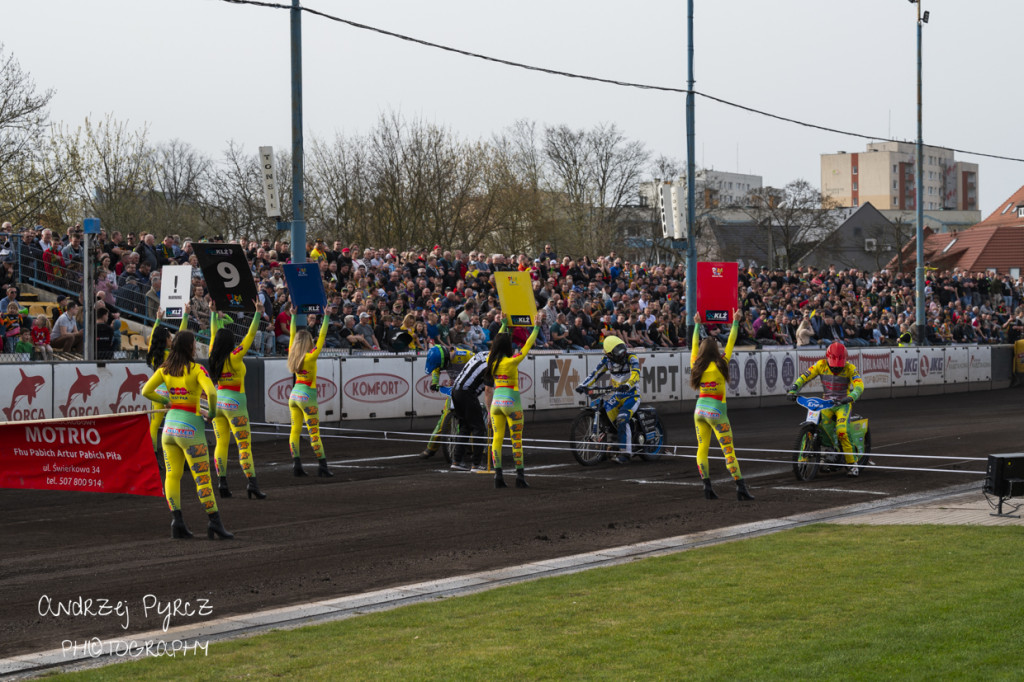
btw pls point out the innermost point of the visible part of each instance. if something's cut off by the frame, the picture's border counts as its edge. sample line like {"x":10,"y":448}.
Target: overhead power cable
{"x":596,"y":79}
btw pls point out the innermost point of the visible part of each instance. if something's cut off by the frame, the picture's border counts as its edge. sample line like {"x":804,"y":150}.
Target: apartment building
{"x":884,"y":176}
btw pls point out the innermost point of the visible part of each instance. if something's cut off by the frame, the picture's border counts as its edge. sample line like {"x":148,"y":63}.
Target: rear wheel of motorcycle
{"x":651,"y":449}
{"x":585,"y":449}
{"x":807,"y":457}
{"x":449,"y":436}
{"x":865,"y":458}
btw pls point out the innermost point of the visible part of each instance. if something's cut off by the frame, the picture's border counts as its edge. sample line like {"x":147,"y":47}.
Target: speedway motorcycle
{"x":817,"y":447}
{"x":594,"y":435}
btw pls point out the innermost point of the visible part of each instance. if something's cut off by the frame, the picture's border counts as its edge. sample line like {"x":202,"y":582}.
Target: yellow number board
{"x":515,"y":294}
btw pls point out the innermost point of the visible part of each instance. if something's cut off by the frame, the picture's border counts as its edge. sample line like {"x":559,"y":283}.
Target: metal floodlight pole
{"x":922,"y":337}
{"x":88,"y":301}
{"x":691,"y":174}
{"x":298,"y":224}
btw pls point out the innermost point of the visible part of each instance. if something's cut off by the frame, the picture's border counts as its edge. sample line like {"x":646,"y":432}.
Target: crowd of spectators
{"x":391,"y":300}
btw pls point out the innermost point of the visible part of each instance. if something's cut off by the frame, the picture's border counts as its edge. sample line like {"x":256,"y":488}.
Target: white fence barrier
{"x":387,"y":387}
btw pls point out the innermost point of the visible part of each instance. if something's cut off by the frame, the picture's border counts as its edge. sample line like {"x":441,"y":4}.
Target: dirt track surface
{"x":388,"y":518}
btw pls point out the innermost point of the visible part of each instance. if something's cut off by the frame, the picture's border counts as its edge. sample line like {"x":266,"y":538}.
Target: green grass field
{"x":820,"y":602}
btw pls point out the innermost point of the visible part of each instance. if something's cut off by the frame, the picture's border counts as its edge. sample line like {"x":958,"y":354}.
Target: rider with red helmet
{"x":840,"y":381}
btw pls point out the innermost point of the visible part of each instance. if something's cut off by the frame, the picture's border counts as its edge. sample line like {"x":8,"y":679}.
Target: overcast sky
{"x":206,"y":71}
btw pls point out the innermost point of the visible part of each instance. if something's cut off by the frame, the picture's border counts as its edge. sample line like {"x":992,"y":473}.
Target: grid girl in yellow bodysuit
{"x":709,"y":376}
{"x":506,"y":406}
{"x":227,"y":369}
{"x":302,"y":403}
{"x":184,"y":434}
{"x":157,"y":351}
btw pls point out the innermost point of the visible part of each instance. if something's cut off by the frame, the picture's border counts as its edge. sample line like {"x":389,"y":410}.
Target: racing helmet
{"x":615,"y":349}
{"x":836,"y":356}
{"x":436,"y":359}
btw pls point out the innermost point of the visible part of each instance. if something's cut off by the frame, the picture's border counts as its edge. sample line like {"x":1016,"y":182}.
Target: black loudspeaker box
{"x":1005,"y":475}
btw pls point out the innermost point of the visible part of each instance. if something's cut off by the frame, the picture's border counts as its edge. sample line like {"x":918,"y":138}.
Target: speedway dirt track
{"x":388,"y":518}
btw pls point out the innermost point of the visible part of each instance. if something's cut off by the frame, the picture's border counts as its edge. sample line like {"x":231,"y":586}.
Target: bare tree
{"x":793,"y":219}
{"x":520,"y":219}
{"x":596,"y":173}
{"x":179,"y":181}
{"x":337,"y":189}
{"x":235,"y":207}
{"x":25,"y":186}
{"x":108,"y":167}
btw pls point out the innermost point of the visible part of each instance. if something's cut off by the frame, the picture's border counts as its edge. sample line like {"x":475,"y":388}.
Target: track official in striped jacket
{"x":466,"y":390}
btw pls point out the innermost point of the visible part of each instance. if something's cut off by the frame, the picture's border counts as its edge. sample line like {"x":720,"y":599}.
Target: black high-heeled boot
{"x":499,"y":480}
{"x":521,"y":479}
{"x":252,"y":488}
{"x":709,"y":493}
{"x":223,"y":488}
{"x":179,"y":531}
{"x":297,"y":469}
{"x":322,"y":470}
{"x":216,"y":528}
{"x":741,"y":491}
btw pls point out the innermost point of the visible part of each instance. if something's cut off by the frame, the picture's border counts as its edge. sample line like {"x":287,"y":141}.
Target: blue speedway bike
{"x":817,"y":447}
{"x":595,"y":438}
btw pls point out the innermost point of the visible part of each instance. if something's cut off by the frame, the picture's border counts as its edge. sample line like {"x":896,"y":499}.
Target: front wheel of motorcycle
{"x":587,"y":447}
{"x":807,"y":455}
{"x":650,"y":449}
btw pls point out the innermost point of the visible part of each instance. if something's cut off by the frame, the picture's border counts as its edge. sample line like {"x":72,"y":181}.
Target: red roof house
{"x":996,"y":243}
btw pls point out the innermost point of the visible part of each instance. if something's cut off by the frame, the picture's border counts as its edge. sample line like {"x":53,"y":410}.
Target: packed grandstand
{"x":392,"y":300}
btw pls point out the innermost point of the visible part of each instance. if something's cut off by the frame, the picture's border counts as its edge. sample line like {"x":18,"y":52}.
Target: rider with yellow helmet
{"x":623,"y":369}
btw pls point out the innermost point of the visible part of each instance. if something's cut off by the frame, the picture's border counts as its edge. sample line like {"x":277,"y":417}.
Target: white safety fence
{"x":416,"y":439}
{"x":395,"y":387}
{"x":353,"y":388}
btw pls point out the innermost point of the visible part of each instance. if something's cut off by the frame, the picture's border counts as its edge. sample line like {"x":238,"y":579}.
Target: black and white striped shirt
{"x":474,"y":375}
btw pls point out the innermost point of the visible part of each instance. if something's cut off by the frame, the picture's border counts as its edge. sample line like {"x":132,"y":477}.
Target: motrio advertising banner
{"x":111,"y":454}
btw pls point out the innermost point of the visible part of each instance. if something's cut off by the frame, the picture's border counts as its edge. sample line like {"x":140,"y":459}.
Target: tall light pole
{"x":922,"y":337}
{"x":298,"y":224}
{"x":691,"y":178}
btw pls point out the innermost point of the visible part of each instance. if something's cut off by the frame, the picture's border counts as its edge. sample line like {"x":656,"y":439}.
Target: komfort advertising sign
{"x":376,"y":387}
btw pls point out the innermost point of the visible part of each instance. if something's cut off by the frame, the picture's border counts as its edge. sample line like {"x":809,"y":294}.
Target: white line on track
{"x":904,"y":442}
{"x":829,"y":490}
